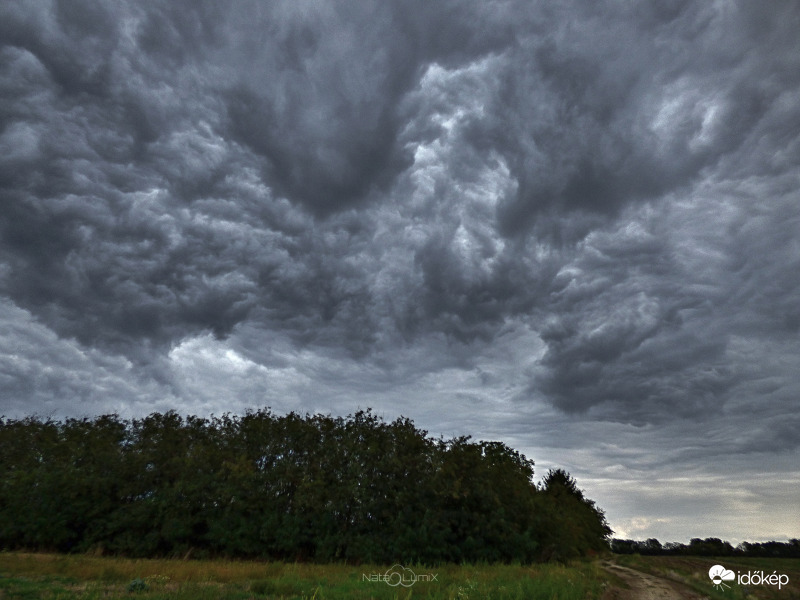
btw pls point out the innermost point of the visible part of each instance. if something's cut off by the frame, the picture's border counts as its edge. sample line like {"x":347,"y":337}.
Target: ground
{"x":645,"y":587}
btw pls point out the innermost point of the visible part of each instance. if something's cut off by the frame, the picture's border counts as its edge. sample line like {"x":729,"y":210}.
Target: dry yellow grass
{"x":85,"y":567}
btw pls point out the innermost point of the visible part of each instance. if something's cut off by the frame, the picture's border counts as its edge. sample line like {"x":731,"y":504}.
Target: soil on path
{"x":642,"y":586}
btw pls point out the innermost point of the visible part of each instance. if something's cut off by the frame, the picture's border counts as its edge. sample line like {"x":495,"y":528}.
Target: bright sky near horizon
{"x":573,"y":227}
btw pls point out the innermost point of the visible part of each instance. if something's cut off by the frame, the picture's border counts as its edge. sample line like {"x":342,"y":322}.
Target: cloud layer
{"x":545,"y":224}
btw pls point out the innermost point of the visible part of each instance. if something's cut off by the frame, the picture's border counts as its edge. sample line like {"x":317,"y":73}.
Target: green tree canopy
{"x":307,"y":487}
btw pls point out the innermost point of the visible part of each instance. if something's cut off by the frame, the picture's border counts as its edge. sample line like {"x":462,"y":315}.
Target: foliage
{"x":577,"y":525}
{"x":291,"y":487}
{"x":137,"y":585}
{"x":707,"y":547}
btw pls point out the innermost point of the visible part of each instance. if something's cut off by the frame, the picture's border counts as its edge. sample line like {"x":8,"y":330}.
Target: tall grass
{"x":78,"y":576}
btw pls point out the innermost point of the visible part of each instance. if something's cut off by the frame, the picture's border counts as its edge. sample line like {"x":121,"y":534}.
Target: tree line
{"x":289,"y":487}
{"x":708,"y":547}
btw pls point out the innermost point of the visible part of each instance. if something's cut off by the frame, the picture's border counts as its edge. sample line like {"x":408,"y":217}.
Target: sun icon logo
{"x":719,"y":575}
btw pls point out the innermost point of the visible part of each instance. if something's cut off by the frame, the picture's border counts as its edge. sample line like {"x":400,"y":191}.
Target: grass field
{"x":52,"y":576}
{"x":693,"y":570}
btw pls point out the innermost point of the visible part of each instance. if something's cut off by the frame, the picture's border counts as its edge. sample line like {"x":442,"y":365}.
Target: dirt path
{"x":646,"y":587}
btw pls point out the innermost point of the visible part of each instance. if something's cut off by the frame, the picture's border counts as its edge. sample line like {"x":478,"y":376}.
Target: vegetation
{"x":708,"y":547}
{"x":307,"y":488}
{"x":45,"y":576}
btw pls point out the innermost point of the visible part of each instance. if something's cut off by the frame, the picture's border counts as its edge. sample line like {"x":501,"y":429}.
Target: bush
{"x":137,"y":585}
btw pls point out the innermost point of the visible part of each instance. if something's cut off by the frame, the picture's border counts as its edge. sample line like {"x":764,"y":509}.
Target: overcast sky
{"x":570,"y":226}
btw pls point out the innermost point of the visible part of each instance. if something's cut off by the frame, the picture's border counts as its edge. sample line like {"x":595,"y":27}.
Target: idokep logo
{"x":719,"y":575}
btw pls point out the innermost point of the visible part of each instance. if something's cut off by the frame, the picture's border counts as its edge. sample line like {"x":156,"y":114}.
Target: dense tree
{"x":294,"y":487}
{"x":577,"y":526}
{"x":707,"y":547}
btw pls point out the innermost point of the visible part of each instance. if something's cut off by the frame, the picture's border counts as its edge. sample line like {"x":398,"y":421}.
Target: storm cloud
{"x":544,"y":224}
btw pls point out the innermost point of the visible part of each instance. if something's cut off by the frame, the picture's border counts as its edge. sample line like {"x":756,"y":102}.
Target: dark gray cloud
{"x":556,"y":223}
{"x":672,"y":334}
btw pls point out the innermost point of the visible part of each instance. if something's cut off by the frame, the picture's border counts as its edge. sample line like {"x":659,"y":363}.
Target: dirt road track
{"x":646,"y":587}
